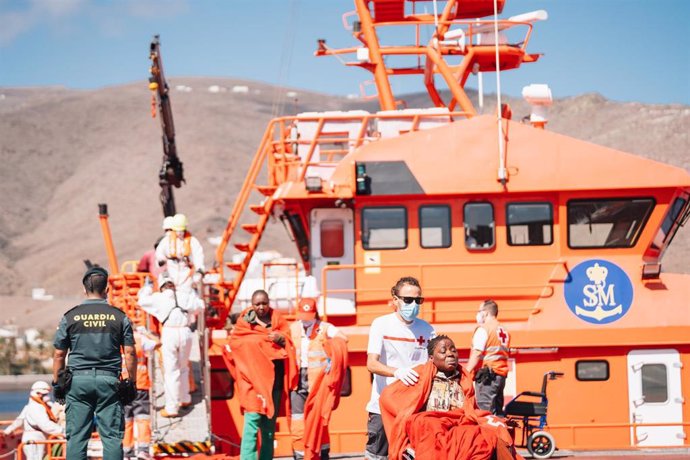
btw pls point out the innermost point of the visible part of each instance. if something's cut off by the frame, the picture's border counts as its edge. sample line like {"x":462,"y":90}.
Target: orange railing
{"x":50,"y":445}
{"x":278,"y":152}
{"x":541,"y":290}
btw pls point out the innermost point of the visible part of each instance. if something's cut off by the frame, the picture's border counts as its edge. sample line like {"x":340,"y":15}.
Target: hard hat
{"x":179,"y":222}
{"x":95,"y":270}
{"x":168,"y":223}
{"x":163,"y":279}
{"x":40,"y":388}
{"x":307,"y":309}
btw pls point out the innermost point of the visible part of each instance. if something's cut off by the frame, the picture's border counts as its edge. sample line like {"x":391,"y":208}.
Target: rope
{"x":226,"y":441}
{"x":502,"y":175}
{"x":6,"y":455}
{"x":279,"y":94}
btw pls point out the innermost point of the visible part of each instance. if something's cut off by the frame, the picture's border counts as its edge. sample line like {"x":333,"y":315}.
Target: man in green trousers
{"x":93,"y":334}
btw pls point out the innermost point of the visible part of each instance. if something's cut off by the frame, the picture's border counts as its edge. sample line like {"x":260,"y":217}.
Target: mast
{"x":171,"y":173}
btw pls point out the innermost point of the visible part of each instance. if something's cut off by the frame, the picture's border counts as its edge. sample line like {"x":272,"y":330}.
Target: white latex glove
{"x":406,"y":375}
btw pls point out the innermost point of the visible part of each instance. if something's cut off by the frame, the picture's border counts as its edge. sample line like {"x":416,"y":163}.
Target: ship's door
{"x":332,"y":241}
{"x":655,"y":397}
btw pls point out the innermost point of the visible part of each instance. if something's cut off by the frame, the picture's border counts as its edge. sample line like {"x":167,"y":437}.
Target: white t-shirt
{"x":479,"y":339}
{"x":399,"y":345}
{"x":331,"y":331}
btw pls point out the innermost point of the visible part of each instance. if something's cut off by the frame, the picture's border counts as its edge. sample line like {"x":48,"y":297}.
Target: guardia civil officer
{"x":92,"y":335}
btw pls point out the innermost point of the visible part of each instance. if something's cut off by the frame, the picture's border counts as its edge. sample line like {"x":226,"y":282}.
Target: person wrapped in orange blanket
{"x":322,"y":358}
{"x":262,"y":361}
{"x":438,"y":417}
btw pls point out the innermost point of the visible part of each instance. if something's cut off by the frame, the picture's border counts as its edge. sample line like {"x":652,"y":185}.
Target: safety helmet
{"x":168,"y":223}
{"x":179,"y":222}
{"x":40,"y":388}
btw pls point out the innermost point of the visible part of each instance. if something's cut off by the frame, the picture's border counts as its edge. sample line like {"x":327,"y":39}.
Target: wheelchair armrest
{"x":532,"y":393}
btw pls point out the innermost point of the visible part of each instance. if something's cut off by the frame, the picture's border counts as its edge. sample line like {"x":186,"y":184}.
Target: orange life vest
{"x":316,"y":355}
{"x":172,"y":244}
{"x":496,"y":351}
{"x":143,"y":380}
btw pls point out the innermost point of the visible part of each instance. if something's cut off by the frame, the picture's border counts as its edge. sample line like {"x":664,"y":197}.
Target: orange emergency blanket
{"x":324,"y":398}
{"x":250,"y":360}
{"x":467,"y":433}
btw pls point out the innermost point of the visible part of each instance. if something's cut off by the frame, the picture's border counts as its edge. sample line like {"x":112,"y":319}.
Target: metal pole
{"x":107,"y":238}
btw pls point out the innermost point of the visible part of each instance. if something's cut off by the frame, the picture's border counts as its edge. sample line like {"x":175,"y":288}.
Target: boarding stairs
{"x":190,"y":433}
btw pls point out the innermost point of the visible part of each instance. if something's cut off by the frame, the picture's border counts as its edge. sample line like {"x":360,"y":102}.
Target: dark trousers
{"x":377,"y":443}
{"x":91,"y":395}
{"x":490,"y":394}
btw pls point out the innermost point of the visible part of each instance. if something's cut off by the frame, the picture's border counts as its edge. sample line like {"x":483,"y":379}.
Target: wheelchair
{"x":530,"y":414}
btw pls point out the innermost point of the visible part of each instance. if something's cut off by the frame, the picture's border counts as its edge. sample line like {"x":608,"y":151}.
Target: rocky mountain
{"x":63,"y":151}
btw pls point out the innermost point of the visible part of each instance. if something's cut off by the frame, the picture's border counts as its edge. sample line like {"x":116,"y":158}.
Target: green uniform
{"x":94,"y":333}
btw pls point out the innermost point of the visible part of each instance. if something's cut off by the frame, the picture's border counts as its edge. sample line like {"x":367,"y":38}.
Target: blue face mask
{"x":408,"y":311}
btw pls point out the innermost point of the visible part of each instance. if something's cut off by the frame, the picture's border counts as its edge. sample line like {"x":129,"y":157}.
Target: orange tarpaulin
{"x":324,"y":398}
{"x":250,"y":360}
{"x":463,"y":433}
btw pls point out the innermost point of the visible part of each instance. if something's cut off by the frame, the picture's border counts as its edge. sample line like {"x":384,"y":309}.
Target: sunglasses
{"x":409,"y":300}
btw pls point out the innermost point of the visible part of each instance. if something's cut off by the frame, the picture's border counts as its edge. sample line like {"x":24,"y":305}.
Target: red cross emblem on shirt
{"x":421,"y":340}
{"x":502,"y":335}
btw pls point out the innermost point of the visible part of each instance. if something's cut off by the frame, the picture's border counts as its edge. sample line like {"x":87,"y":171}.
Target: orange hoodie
{"x":250,"y":361}
{"x":324,"y":398}
{"x":467,"y":433}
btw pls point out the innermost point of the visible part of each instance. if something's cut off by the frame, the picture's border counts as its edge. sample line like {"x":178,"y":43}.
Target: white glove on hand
{"x":406,"y":375}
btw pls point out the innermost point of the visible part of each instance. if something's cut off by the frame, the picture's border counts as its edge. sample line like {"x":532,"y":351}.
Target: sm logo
{"x":598,"y":291}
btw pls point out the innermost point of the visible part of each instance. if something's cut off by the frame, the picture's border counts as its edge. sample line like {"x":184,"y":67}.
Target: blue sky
{"x":627,"y":50}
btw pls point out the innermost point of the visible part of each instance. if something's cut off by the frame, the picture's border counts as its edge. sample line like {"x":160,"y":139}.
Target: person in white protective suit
{"x":37,"y":420}
{"x":175,"y":309}
{"x":182,"y":254}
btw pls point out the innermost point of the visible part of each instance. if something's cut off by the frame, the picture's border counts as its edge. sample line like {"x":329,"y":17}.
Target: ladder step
{"x":266,"y":190}
{"x":258,"y":208}
{"x":244,"y":247}
{"x":250,"y":228}
{"x":233,"y":266}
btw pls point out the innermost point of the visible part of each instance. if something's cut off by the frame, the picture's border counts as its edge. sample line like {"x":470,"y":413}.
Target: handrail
{"x":282,"y":264}
{"x":572,"y":427}
{"x":47,"y":442}
{"x":420,"y":266}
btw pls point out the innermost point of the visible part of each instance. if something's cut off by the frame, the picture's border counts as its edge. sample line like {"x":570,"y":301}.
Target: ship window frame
{"x":508,"y":225}
{"x":493,"y":225}
{"x":230,"y":380}
{"x":365,"y":242}
{"x":651,"y":389}
{"x":640,"y":230}
{"x":328,"y":254}
{"x":582,"y":378}
{"x":448,"y":228}
{"x":673,"y":222}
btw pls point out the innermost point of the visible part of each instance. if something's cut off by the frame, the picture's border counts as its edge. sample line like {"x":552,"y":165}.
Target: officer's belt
{"x":93,"y":371}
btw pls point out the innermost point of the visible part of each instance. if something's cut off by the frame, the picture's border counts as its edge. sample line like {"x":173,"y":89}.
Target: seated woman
{"x":438,"y":417}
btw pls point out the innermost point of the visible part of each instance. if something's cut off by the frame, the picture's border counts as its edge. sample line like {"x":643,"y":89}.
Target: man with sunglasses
{"x":263,"y":361}
{"x":397,"y":343}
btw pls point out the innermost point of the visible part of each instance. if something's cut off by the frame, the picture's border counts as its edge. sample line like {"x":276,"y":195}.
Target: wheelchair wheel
{"x":541,"y":444}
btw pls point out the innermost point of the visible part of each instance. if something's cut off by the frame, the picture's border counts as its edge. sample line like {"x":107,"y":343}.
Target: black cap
{"x":94,"y":271}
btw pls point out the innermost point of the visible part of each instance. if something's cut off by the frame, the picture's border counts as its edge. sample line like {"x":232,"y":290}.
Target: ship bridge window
{"x":529,"y":224}
{"x":669,"y":226}
{"x":479,"y":225}
{"x":384,"y":228}
{"x":613,"y":223}
{"x":332,"y":238}
{"x":434,"y":226}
